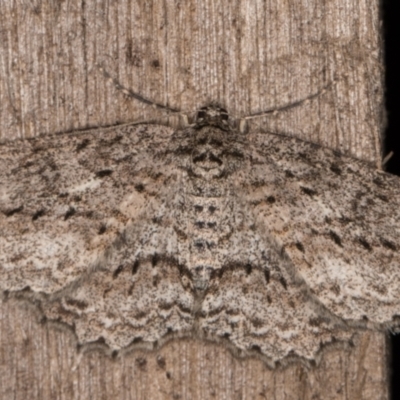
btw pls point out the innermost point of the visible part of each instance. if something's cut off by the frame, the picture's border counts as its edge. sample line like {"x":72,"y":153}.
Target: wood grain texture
{"x":41,"y":362}
{"x":247,"y":56}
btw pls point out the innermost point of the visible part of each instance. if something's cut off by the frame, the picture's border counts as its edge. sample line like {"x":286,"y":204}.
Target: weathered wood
{"x":248,"y":56}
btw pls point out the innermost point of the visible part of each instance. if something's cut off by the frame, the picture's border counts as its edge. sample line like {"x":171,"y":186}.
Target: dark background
{"x":391,"y":20}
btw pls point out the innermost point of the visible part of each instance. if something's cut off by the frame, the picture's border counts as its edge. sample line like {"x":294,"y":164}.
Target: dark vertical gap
{"x":391,"y":32}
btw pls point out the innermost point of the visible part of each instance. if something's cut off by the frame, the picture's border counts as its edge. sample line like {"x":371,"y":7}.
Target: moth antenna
{"x":386,"y":159}
{"x":130,"y":93}
{"x":289,"y":105}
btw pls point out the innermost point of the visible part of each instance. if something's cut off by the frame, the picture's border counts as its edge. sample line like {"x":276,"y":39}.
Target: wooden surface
{"x":247,"y":56}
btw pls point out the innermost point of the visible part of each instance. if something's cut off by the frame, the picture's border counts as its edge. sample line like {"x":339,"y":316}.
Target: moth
{"x":136,"y":234}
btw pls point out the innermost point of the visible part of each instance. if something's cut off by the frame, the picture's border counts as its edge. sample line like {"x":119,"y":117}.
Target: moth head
{"x":212,"y":115}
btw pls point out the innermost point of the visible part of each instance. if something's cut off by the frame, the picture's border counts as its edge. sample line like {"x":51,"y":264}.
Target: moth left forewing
{"x":103,"y":248}
{"x":65,"y":198}
{"x":337,"y":218}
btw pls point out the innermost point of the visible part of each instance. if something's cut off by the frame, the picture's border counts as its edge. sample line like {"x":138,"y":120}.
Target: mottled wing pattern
{"x":276,"y":318}
{"x":132,"y":234}
{"x":78,"y":214}
{"x":336,"y":218}
{"x":254,"y":300}
{"x":129,"y":301}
